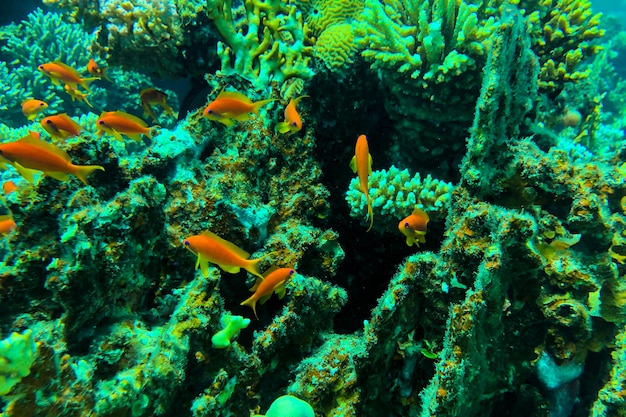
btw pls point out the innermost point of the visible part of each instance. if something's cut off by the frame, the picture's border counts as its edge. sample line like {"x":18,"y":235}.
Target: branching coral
{"x":263,"y":42}
{"x":429,"y":55}
{"x":562,"y":32}
{"x":427,"y":40}
{"x":394,"y":194}
{"x":42,"y":37}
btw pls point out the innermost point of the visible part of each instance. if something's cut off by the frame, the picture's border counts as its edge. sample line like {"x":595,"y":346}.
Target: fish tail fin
{"x":253,"y":266}
{"x":153,"y":130}
{"x":251,"y":302}
{"x":83,"y":171}
{"x":86,"y":81}
{"x":370,"y":213}
{"x":259,"y":104}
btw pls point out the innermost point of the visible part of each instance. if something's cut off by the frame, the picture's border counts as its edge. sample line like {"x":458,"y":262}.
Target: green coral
{"x":263,"y":41}
{"x":394,"y":195}
{"x":42,"y":37}
{"x":425,"y":39}
{"x":429,"y":56}
{"x":17,"y":354}
{"x":335,"y":47}
{"x":562,"y":34}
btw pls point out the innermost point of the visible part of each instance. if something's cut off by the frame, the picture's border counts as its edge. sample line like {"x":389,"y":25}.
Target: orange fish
{"x":60,"y":126}
{"x":211,"y":248}
{"x":96,"y":70}
{"x":31,"y":108}
{"x":230,"y":106}
{"x":293,"y":122}
{"x":118,"y":123}
{"x":151,"y":96}
{"x":31,"y":153}
{"x":60,"y":73}
{"x":361,"y":164}
{"x":76,"y":94}
{"x":274,"y":282}
{"x":414,"y":227}
{"x":8,"y":187}
{"x":7,"y":224}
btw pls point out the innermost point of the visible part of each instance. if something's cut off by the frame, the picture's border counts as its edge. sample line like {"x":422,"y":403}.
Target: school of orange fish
{"x":31,"y":154}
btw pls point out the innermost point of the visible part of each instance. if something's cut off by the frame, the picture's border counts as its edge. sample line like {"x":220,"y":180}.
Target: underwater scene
{"x":312,"y":208}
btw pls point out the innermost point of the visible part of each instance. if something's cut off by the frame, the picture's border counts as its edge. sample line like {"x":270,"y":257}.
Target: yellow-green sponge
{"x":17,"y":354}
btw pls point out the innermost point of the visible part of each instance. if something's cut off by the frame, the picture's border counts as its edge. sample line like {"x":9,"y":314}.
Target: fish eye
{"x":48,"y":122}
{"x":101,"y":122}
{"x":291,"y":272}
{"x":41,"y":67}
{"x":186,"y":243}
{"x":406,"y":224}
{"x":294,"y":124}
{"x":209,"y":111}
{"x":41,"y":103}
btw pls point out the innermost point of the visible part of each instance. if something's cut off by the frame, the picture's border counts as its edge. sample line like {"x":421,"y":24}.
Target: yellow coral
{"x":322,"y":14}
{"x":336,"y":47}
{"x":561,"y":32}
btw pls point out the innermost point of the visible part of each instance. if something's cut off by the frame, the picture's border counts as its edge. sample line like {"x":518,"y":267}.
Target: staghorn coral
{"x":45,"y":37}
{"x":562,"y":35}
{"x":136,"y":34}
{"x":42,"y":37}
{"x":429,"y":55}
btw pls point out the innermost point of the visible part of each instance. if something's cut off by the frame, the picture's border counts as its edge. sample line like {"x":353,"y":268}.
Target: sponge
{"x":17,"y":354}
{"x":232,"y":326}
{"x":289,"y":406}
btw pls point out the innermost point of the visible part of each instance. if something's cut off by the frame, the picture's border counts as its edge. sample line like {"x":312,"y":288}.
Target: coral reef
{"x":487,"y":118}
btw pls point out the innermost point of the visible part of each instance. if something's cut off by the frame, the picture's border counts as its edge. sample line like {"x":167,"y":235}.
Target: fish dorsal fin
{"x":421,"y":213}
{"x":69,"y":120}
{"x":297,"y":99}
{"x":32,"y":140}
{"x":269,"y":271}
{"x":369,"y":164}
{"x":127,"y":117}
{"x":234,"y":96}
{"x":240,"y":252}
{"x":67,"y":68}
{"x":256,"y":284}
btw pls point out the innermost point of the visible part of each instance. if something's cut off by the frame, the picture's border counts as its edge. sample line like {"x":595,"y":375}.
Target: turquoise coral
{"x":42,"y":37}
{"x":264,"y":45}
{"x":394,"y":194}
